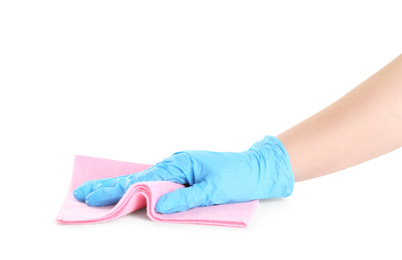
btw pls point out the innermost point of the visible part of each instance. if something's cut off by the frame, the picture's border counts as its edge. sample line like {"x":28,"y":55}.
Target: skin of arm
{"x":363,"y":124}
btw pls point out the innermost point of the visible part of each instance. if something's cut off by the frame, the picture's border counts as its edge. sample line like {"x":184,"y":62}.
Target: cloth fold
{"x":140,"y":195}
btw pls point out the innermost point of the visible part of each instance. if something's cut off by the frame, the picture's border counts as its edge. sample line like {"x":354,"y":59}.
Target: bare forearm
{"x":363,"y":124}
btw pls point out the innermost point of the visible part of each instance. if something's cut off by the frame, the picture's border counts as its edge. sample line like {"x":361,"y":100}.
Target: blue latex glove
{"x":212,"y":178}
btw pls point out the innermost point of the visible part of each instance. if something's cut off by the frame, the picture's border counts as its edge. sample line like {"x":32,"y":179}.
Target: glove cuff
{"x":275,"y":163}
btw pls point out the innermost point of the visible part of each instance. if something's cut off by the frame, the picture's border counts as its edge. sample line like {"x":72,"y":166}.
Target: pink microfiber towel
{"x":140,"y":195}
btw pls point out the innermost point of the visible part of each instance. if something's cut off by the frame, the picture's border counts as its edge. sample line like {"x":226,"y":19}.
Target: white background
{"x":139,"y":80}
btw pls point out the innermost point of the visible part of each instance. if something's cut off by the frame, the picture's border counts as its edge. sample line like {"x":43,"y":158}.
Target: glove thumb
{"x":182,"y":199}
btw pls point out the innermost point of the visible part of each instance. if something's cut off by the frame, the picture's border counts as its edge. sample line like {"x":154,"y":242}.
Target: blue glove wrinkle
{"x":106,"y":196}
{"x":180,"y":165}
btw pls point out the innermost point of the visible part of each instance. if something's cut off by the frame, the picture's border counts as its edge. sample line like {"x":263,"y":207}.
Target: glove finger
{"x":106,"y":196}
{"x":82,"y":191}
{"x":182,"y":199}
{"x":166,"y":170}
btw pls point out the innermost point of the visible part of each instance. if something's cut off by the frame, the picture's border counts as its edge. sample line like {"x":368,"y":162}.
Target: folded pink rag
{"x":140,"y":195}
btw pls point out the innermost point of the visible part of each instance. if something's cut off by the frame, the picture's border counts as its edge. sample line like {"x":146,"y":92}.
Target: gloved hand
{"x":212,"y":178}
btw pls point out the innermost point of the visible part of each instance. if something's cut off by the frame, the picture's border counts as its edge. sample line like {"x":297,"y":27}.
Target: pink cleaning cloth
{"x":140,"y":195}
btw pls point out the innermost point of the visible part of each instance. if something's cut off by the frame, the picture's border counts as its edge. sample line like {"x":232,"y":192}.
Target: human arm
{"x":362,"y":125}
